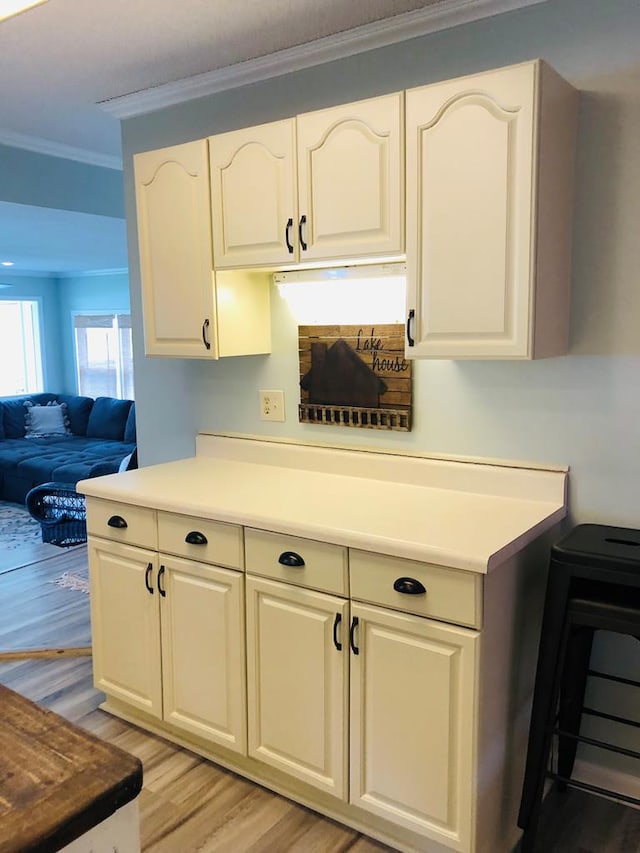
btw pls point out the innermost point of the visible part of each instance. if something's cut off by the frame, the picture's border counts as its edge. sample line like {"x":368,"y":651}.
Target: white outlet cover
{"x":272,"y":405}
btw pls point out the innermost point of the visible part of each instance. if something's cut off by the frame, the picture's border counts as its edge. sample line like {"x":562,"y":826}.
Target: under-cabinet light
{"x":345,"y":295}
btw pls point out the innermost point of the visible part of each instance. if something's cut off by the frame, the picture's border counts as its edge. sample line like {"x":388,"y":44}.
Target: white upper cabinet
{"x":253,"y":193}
{"x":190,"y":312}
{"x":174,"y":236}
{"x":351,"y":180}
{"x":489,"y":195}
{"x":327,"y":185}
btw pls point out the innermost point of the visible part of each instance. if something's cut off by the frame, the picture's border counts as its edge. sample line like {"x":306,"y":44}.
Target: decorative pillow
{"x":41,"y":421}
{"x":108,"y":418}
{"x":78,"y":410}
{"x":130,"y":426}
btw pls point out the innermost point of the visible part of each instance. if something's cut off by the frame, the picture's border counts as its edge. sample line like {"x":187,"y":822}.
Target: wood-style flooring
{"x":188,"y":804}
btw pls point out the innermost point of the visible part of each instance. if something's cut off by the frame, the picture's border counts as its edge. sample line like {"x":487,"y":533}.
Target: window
{"x":104,"y":355}
{"x":20,"y":353}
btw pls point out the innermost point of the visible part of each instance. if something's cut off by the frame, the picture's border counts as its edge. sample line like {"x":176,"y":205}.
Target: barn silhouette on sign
{"x":339,"y":377}
{"x":355,"y":376}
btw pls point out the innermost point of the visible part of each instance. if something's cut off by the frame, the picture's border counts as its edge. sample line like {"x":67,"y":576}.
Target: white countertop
{"x":466,"y":515}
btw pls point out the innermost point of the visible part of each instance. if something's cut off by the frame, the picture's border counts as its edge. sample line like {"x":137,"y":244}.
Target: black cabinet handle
{"x":160,"y":587}
{"x":291,"y":559}
{"x":147,"y":576}
{"x":287,"y":235}
{"x":412,"y":314}
{"x":205,"y":337}
{"x":194,"y":537}
{"x":409,"y":586}
{"x":117,"y":521}
{"x":303,"y":221}
{"x":352,"y":635}
{"x":336,"y":623}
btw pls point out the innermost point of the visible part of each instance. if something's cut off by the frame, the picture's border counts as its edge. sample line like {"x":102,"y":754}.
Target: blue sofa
{"x":99,"y":434}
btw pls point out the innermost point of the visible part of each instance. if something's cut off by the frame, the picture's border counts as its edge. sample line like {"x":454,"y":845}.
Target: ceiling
{"x":60,"y":60}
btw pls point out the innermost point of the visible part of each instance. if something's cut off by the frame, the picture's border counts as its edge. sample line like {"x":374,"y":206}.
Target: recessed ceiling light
{"x":9,"y":8}
{"x":7,"y":263}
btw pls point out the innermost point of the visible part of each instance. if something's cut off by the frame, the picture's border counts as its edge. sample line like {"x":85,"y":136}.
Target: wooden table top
{"x":56,"y":780}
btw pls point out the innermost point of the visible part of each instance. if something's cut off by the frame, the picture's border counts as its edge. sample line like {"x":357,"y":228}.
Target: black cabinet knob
{"x":291,"y":559}
{"x":194,"y":537}
{"x":409,"y":586}
{"x":117,"y":521}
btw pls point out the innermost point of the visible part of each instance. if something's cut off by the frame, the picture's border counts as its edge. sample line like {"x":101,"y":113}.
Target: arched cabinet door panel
{"x":176,"y":262}
{"x":489,"y":186}
{"x":253,"y":195}
{"x":351,"y":180}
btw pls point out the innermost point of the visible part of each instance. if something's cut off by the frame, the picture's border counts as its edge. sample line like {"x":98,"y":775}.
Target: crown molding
{"x":59,"y":149}
{"x":430,"y":19}
{"x":93,"y":273}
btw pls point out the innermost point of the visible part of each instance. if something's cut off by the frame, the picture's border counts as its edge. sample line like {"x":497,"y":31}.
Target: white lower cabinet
{"x":125,"y":624}
{"x":412,"y":722}
{"x":297,"y":682}
{"x":363,"y":701}
{"x":168,"y":639}
{"x":203,"y":652}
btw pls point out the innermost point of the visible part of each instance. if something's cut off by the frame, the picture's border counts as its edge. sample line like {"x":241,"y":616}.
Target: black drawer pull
{"x":117,"y":521}
{"x":410,"y":340}
{"x":147,"y":575}
{"x":196,"y":538}
{"x":291,"y":559}
{"x":301,"y":224}
{"x":160,"y":587}
{"x":287,"y":237}
{"x":409,"y":586}
{"x":336,"y":623}
{"x":352,"y":635}
{"x":205,"y":333}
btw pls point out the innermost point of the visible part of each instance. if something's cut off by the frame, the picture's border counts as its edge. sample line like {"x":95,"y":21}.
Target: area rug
{"x":77,"y":581}
{"x":17,"y":528}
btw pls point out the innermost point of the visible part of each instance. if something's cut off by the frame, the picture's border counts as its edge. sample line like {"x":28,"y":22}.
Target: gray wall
{"x":582,"y":410}
{"x":43,"y":181}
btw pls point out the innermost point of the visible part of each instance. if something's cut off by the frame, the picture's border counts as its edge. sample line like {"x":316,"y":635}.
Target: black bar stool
{"x":594,"y":583}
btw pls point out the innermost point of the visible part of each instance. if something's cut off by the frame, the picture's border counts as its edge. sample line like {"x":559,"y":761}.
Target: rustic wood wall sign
{"x":355,"y":376}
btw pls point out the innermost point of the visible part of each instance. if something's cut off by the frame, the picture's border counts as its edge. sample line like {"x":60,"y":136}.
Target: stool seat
{"x":593,"y":584}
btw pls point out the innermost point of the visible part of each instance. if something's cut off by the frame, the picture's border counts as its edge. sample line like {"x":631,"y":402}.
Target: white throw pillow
{"x":41,"y":421}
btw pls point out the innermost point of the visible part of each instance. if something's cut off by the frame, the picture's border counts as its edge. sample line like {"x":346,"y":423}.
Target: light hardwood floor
{"x":189,"y":804}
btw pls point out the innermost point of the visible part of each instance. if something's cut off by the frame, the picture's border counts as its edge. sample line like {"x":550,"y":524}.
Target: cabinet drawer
{"x":325,"y":567}
{"x":134,"y":525}
{"x":212,"y":541}
{"x":451,"y":595}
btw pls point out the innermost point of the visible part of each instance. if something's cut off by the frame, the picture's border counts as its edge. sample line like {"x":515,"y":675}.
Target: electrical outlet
{"x":272,"y":405}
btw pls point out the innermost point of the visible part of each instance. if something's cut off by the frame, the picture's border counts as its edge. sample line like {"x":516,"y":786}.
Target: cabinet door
{"x":297,"y":682}
{"x":351,"y":180}
{"x":413,"y":712}
{"x":125,"y":624}
{"x":253,"y":195}
{"x":470,"y":171}
{"x":203,"y":652}
{"x":176,"y":263}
